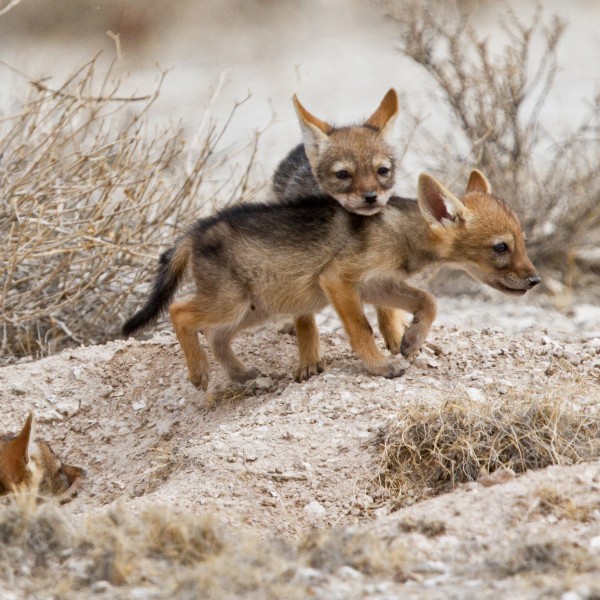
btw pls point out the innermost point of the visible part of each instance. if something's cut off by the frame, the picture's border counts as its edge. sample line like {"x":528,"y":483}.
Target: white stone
{"x":475,"y":394}
{"x":314,"y":509}
{"x":17,"y":389}
{"x":595,"y":543}
{"x":263,"y":383}
{"x":347,"y":572}
{"x":570,"y":596}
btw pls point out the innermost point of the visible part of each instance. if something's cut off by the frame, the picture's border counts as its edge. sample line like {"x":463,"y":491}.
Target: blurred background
{"x":186,"y":105}
{"x":339,"y":56}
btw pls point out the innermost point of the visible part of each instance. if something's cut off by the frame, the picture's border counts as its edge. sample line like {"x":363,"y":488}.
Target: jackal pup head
{"x":27,"y":463}
{"x":353,"y":164}
{"x":478,"y":233}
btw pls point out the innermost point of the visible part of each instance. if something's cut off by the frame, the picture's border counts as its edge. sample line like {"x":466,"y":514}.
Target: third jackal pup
{"x":29,"y":463}
{"x":251,"y":262}
{"x":354,"y":165}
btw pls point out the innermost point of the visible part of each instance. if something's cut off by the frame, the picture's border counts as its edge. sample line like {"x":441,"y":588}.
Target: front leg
{"x":399,"y":294}
{"x":392,"y":324}
{"x":347,"y":303}
{"x":307,"y":335}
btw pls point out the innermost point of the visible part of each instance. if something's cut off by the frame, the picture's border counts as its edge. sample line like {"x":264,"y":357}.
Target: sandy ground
{"x":281,"y":457}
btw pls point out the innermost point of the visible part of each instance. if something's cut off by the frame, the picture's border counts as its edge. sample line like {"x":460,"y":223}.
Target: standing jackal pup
{"x":27,"y":463}
{"x":354,"y":165}
{"x":251,"y":262}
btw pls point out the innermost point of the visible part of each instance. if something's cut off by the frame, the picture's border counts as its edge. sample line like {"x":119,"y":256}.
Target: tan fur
{"x":27,"y":463}
{"x":249,"y":281}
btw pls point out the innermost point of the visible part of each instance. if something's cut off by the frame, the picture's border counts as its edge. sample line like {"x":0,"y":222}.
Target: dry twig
{"x":89,"y":198}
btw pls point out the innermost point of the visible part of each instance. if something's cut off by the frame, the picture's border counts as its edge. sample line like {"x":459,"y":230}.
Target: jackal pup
{"x":253,"y":261}
{"x":27,"y":463}
{"x":354,"y":165}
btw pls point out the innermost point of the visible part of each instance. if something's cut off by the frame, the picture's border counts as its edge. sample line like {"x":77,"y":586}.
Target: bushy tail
{"x":172,"y":264}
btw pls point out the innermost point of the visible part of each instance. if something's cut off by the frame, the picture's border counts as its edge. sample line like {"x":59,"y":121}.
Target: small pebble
{"x":314,"y":509}
{"x":264,"y":382}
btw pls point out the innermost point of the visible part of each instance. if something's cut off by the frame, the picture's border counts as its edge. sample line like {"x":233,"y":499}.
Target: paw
{"x":389,"y":369}
{"x":244,"y":375}
{"x":304,"y":372}
{"x":287,"y":329}
{"x":413,"y":338}
{"x":199,"y":380}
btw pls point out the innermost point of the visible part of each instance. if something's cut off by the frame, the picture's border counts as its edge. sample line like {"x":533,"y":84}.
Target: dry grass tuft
{"x":544,"y":553}
{"x":549,"y":501}
{"x":89,"y":197}
{"x":33,"y":535}
{"x":427,"y":527}
{"x":332,"y":549}
{"x":122,"y":548}
{"x":432,"y":450}
{"x":184,"y":539}
{"x":492,"y":94}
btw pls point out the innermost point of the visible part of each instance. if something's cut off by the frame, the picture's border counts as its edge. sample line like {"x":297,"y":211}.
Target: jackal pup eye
{"x":383,"y":171}
{"x":500,"y":248}
{"x":342,"y":174}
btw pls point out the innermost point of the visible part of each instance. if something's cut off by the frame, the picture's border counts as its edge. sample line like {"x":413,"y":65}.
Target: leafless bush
{"x":494,"y":93}
{"x":89,"y":196}
{"x":432,"y":450}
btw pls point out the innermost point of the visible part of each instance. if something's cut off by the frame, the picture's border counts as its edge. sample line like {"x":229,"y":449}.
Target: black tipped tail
{"x":172,"y":265}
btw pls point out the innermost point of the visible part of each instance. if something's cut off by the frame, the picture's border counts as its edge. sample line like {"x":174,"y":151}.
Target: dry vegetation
{"x":432,"y":450}
{"x":89,"y":196}
{"x":172,"y":554}
{"x":493,"y":94}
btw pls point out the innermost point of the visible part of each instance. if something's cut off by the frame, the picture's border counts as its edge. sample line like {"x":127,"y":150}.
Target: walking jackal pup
{"x":251,"y":262}
{"x":355,"y":166}
{"x":27,"y":463}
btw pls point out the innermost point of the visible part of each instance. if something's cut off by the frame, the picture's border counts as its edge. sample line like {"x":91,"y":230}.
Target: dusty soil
{"x":280,"y":457}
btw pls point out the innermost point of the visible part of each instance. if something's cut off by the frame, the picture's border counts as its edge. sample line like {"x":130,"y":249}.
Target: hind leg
{"x":204,"y":312}
{"x":220,"y":338}
{"x":187,"y":320}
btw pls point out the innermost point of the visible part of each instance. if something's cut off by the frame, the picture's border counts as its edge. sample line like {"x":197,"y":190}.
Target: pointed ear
{"x":23,"y":443}
{"x":438,"y":205}
{"x":307,"y":119}
{"x":478,"y":183}
{"x":15,"y":457}
{"x":315,"y":133}
{"x":383,"y":118}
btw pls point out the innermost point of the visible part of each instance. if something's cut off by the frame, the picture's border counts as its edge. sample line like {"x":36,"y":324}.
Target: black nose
{"x":533,"y":280}
{"x":370,"y":197}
